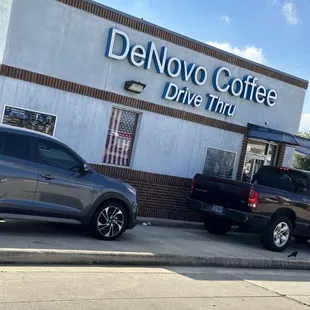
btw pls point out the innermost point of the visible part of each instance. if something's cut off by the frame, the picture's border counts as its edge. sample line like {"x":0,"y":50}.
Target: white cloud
{"x":305,"y":122}
{"x":290,"y":13}
{"x":226,"y":18}
{"x":249,"y":52}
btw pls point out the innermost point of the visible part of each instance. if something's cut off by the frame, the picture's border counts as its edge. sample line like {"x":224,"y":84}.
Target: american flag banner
{"x":120,"y":137}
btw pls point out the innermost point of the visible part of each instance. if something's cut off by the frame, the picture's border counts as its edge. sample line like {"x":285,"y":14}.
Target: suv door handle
{"x":47,"y":176}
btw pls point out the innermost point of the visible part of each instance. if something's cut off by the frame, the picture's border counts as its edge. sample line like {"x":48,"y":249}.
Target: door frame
{"x":264,"y":158}
{"x":254,"y":157}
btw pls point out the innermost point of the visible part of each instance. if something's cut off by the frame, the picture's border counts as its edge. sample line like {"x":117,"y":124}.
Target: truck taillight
{"x":192,"y":186}
{"x":253,"y":199}
{"x":285,"y":169}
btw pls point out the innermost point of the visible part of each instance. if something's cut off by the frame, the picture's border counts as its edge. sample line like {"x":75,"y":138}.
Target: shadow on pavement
{"x":38,"y":228}
{"x":250,"y":240}
{"x":225,"y":274}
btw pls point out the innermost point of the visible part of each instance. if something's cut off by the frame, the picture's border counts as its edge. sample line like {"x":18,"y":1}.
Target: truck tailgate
{"x":222,"y":192}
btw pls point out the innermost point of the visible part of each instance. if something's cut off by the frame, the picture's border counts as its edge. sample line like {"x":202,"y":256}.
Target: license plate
{"x":217,"y":209}
{"x":213,"y":208}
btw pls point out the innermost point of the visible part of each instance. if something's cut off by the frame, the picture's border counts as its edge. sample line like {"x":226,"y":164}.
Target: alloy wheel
{"x":281,"y":234}
{"x":110,"y":221}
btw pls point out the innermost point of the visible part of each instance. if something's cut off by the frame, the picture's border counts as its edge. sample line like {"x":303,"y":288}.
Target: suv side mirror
{"x":85,"y":168}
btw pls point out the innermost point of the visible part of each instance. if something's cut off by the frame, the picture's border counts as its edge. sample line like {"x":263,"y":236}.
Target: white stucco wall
{"x":54,"y":39}
{"x":165,"y":145}
{"x":48,"y":37}
{"x":5,"y":13}
{"x":288,"y":157}
{"x":162,"y":145}
{"x":82,"y":122}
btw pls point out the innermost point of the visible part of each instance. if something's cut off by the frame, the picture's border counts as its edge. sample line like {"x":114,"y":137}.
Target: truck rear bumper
{"x":254,"y":220}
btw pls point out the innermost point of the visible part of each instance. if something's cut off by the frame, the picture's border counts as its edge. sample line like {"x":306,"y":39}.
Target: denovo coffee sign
{"x":223,"y":81}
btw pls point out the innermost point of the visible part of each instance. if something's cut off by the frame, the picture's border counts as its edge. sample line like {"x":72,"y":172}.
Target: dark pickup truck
{"x":276,"y":204}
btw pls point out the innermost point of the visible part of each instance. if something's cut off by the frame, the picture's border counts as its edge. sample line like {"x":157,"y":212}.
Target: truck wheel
{"x":277,"y":234}
{"x":301,"y":239}
{"x":217,"y":226}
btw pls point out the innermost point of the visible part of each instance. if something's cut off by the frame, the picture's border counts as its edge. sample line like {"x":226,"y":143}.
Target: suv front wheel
{"x":109,"y":221}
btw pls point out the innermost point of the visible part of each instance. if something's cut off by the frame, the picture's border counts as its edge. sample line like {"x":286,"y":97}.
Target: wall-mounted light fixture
{"x":135,"y":87}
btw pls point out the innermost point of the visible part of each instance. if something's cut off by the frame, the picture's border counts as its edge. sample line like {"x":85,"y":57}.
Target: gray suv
{"x":43,"y":179}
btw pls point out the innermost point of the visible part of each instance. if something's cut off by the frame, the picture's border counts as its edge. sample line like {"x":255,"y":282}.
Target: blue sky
{"x":272,"y":32}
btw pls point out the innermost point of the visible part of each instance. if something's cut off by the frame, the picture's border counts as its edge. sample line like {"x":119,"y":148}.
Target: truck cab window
{"x":300,"y":182}
{"x":275,"y":178}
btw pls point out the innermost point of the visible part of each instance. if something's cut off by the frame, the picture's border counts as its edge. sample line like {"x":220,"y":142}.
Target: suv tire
{"x":109,"y":221}
{"x":277,"y":234}
{"x":217,"y":226}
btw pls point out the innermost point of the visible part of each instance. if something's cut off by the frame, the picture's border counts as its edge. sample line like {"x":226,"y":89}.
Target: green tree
{"x":302,"y":161}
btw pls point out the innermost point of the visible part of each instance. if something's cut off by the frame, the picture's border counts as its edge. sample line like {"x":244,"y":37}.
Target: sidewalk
{"x":41,"y":243}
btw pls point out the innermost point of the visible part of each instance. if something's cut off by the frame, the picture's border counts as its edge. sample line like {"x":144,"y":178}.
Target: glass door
{"x":258,"y":154}
{"x":252,"y":164}
{"x":259,"y":163}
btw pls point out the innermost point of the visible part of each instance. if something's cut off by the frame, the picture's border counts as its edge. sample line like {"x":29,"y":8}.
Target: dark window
{"x":55,"y":155}
{"x":219,"y":163}
{"x":15,"y":145}
{"x":274,"y":178}
{"x":300,"y":182}
{"x":288,"y":180}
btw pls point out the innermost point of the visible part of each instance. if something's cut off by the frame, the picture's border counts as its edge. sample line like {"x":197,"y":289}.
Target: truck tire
{"x":277,"y":234}
{"x":217,"y":226}
{"x":301,"y":239}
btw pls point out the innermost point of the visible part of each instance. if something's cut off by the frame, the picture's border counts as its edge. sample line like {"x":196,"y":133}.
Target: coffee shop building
{"x":142,"y":103}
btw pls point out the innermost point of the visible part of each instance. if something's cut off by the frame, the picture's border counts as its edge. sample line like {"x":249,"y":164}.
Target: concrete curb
{"x":77,"y":257}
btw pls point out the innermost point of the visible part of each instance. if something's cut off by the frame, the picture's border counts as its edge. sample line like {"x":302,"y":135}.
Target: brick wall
{"x":281,"y":154}
{"x":163,"y":196}
{"x":159,"y":196}
{"x":242,"y":157}
{"x":49,"y":81}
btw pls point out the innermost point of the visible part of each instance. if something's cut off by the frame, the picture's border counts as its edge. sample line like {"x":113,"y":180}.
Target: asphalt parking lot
{"x":144,"y":239}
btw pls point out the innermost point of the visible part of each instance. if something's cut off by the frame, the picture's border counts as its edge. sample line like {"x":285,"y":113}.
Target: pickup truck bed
{"x":259,"y":204}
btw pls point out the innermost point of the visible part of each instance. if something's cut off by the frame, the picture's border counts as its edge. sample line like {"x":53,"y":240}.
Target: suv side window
{"x":55,"y":155}
{"x":15,"y":145}
{"x":275,"y":178}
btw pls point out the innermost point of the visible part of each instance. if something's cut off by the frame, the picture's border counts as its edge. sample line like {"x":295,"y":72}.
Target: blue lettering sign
{"x":119,"y":48}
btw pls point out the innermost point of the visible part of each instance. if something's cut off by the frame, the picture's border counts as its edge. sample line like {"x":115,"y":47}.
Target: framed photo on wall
{"x":33,"y":120}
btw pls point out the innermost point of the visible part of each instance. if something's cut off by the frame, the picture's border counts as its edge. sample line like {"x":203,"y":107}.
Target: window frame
{"x":265,"y":156}
{"x":224,"y":150}
{"x":136,"y":134}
